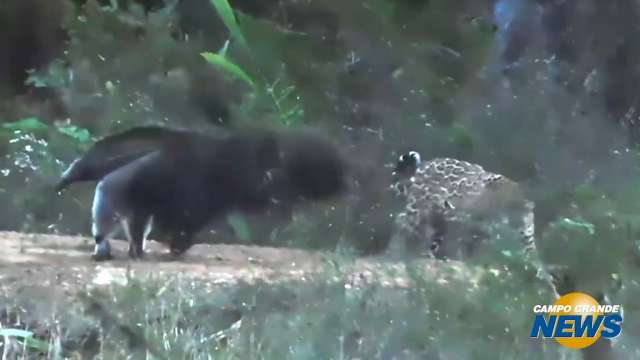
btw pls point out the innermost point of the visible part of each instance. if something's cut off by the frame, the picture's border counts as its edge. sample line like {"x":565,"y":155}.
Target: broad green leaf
{"x":19,"y":333}
{"x":576,"y":224}
{"x":26,"y":337}
{"x":228,"y":66}
{"x":36,"y":344}
{"x":31,"y":124}
{"x":228,"y":18}
{"x":55,"y":75}
{"x":80,"y":134}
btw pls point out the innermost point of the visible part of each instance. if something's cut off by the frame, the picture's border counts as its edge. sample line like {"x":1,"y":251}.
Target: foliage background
{"x":541,"y":91}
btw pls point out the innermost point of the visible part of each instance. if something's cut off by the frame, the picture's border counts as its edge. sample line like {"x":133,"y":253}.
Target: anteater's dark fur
{"x":182,"y":179}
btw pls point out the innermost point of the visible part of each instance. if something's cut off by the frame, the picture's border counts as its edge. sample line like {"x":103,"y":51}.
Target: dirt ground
{"x":43,"y":275}
{"x":39,"y":264}
{"x":63,"y":263}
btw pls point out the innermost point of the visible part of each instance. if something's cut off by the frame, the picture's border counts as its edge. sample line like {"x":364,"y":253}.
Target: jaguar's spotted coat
{"x":448,"y":205}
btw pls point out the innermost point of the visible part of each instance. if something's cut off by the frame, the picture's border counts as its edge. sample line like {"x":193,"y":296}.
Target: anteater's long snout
{"x":61,"y":185}
{"x":68,"y":177}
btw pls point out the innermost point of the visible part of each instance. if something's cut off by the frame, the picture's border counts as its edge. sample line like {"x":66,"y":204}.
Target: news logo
{"x":576,"y":321}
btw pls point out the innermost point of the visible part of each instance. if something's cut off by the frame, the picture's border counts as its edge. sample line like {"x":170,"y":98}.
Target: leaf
{"x":228,"y":18}
{"x":240,"y":227}
{"x":80,"y":134}
{"x":19,"y":333}
{"x":228,"y":66}
{"x":581,"y":225}
{"x":26,"y":338}
{"x":31,"y":124}
{"x":36,"y":344}
{"x":54,"y":76}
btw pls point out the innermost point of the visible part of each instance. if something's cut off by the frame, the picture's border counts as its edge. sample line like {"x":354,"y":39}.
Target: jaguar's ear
{"x":410,"y":157}
{"x":414,"y":156}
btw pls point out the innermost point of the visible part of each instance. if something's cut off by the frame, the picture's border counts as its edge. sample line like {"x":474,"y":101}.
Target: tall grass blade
{"x":225,"y":12}
{"x":228,"y":66}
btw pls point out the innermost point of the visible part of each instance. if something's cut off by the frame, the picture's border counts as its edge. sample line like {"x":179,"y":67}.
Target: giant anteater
{"x":179,"y":180}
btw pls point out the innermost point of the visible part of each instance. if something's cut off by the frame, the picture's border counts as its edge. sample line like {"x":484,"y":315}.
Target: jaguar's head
{"x":406,"y":166}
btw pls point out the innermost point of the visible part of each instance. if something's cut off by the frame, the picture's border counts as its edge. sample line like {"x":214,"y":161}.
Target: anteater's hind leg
{"x":147,"y":231}
{"x":111,"y":206}
{"x":105,"y":220}
{"x":137,"y":228}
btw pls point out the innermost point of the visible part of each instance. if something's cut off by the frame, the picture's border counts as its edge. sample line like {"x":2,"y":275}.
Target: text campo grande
{"x":582,"y":308}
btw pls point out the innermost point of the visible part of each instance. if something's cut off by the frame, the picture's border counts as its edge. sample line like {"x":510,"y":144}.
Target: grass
{"x":462,"y":313}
